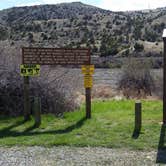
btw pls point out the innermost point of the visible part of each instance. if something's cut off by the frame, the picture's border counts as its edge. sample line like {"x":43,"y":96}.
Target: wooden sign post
{"x":26,"y":71}
{"x":26,"y":99}
{"x":88,"y":102}
{"x":88,"y":70}
{"x":164,"y":78}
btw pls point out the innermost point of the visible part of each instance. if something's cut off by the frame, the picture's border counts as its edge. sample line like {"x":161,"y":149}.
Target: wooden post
{"x":37,"y":111}
{"x":138,"y":116}
{"x":26,"y":99}
{"x":88,"y":70}
{"x":88,"y":102}
{"x":164,"y":81}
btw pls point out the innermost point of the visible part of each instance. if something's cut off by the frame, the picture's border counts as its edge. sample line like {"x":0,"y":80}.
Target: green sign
{"x":30,"y":70}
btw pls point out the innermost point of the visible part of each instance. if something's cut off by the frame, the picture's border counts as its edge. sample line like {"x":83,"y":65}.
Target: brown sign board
{"x":56,"y":56}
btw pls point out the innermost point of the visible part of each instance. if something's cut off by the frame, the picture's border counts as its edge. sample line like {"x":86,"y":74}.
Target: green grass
{"x":112,"y":125}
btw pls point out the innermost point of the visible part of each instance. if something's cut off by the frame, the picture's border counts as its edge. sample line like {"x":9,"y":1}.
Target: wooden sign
{"x":56,"y":56}
{"x":30,"y":70}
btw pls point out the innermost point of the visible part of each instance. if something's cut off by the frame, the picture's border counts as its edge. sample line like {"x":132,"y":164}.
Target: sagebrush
{"x":136,"y":80}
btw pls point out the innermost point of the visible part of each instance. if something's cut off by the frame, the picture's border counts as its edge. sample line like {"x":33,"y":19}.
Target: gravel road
{"x":73,"y":156}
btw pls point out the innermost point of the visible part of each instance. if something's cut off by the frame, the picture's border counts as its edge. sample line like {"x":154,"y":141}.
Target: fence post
{"x":138,"y":116}
{"x":37,"y":111}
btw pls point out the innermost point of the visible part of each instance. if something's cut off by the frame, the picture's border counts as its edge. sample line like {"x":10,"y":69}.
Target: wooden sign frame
{"x":55,"y":56}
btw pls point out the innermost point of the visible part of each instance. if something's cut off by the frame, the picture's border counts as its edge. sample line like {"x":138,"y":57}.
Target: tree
{"x":30,"y":37}
{"x":150,"y":35}
{"x":138,"y":47}
{"x":109,"y":46}
{"x":108,"y":25}
{"x":44,"y":36}
{"x":3,"y":33}
{"x":138,"y":25}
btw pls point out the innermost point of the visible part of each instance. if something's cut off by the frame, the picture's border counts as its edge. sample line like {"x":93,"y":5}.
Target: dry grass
{"x":103,"y":91}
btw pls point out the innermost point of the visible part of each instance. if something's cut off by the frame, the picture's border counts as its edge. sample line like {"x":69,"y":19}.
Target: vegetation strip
{"x":112,"y":125}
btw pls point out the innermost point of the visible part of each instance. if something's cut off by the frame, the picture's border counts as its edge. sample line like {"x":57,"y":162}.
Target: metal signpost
{"x":34,"y":57}
{"x":164,"y":79}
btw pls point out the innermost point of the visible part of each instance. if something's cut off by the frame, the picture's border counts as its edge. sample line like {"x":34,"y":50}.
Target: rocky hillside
{"x":79,"y":25}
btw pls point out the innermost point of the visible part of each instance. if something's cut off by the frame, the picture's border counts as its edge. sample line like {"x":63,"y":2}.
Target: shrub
{"x":56,"y":87}
{"x":30,"y":37}
{"x":138,"y":47}
{"x":150,"y":35}
{"x":109,"y":48}
{"x":136,"y":80}
{"x":3,"y":33}
{"x":54,"y":100}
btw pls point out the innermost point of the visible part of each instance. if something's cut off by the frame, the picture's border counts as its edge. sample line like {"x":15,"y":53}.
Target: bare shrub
{"x":136,"y":80}
{"x":158,"y":79}
{"x":56,"y":86}
{"x":56,"y":97}
{"x":57,"y":89}
{"x":103,"y":91}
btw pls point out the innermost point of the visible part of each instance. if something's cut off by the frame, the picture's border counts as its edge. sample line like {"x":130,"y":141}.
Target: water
{"x":107,"y":77}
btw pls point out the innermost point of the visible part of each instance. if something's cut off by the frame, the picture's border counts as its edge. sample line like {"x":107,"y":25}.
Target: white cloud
{"x":43,"y":2}
{"x":29,"y":4}
{"x":55,"y":1}
{"x":114,"y":5}
{"x":121,"y":5}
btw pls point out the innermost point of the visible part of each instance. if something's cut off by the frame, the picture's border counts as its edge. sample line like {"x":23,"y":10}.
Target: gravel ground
{"x":69,"y":156}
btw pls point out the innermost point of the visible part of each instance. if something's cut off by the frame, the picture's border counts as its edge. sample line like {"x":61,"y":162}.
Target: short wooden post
{"x":138,"y":116}
{"x":26,"y":99}
{"x":88,"y":102}
{"x":37,"y":111}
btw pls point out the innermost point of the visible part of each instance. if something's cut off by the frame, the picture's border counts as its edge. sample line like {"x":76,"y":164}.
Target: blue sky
{"x":114,"y":5}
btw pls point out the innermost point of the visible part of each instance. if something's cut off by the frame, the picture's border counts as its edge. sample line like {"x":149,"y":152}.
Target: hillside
{"x":108,"y":33}
{"x":48,"y":12}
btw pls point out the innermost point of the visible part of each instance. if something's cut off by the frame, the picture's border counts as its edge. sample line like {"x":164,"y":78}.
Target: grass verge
{"x":112,"y":125}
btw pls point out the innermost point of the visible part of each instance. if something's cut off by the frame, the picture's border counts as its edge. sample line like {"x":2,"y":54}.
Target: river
{"x":112,"y":76}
